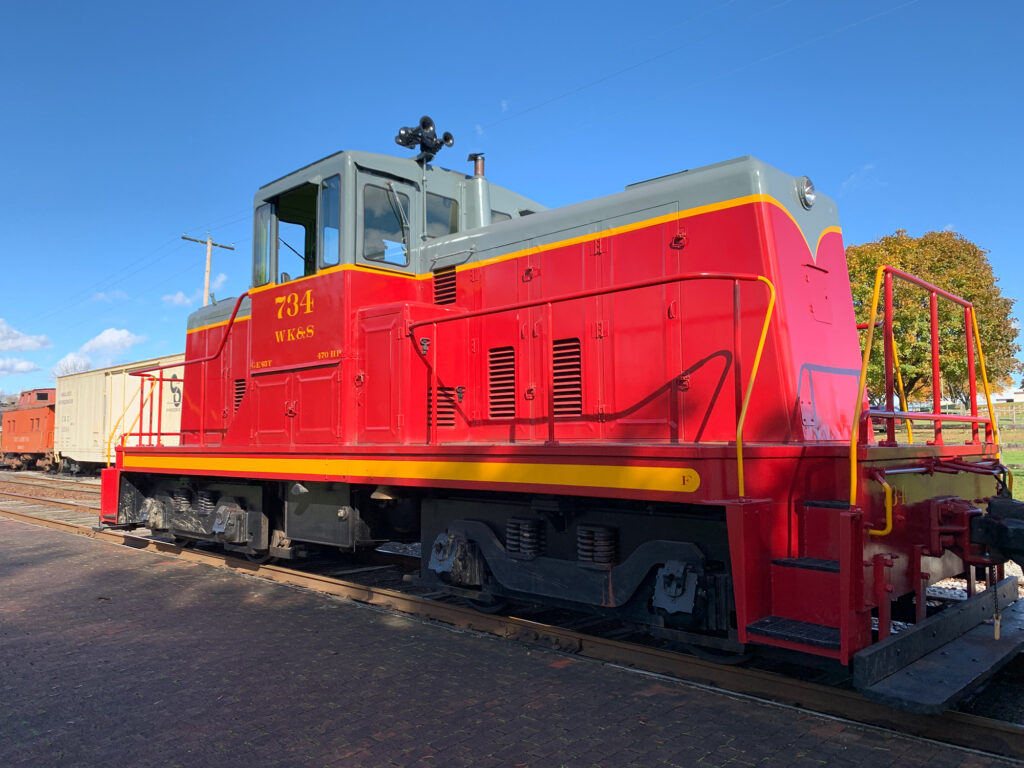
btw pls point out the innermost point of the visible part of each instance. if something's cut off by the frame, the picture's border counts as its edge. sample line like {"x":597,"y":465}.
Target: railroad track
{"x":61,"y":489}
{"x":376,"y":585}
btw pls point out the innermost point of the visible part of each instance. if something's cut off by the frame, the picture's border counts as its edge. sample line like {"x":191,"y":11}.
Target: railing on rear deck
{"x":735,"y":277}
{"x":155,"y":437}
{"x":884,"y":276}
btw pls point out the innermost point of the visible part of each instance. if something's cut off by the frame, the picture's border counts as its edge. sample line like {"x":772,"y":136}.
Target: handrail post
{"x":551,"y":371}
{"x":432,"y":426}
{"x":971,"y":376}
{"x":933,"y":302}
{"x":890,"y":424}
{"x":737,"y":341}
{"x":142,"y":405}
{"x":992,"y":429}
{"x":160,"y":412}
{"x":202,"y":405}
{"x":149,"y":430}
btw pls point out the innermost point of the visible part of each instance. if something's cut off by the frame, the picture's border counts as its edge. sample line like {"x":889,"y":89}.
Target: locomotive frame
{"x":648,"y":405}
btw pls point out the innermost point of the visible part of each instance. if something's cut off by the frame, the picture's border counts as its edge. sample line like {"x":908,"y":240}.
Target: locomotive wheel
{"x":490,"y":604}
{"x":260,"y":558}
{"x":184,"y":543}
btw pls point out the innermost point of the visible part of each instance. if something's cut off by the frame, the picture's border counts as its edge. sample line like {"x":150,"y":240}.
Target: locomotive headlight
{"x":805,"y":191}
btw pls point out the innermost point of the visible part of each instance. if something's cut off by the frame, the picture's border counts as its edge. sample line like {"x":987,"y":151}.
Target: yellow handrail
{"x":984,"y":381}
{"x":750,"y":383}
{"x":888,"y":508}
{"x":903,"y":394}
{"x":110,"y":437}
{"x":861,"y":386}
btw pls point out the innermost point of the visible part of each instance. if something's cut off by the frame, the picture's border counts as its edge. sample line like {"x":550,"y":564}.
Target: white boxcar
{"x":95,"y":408}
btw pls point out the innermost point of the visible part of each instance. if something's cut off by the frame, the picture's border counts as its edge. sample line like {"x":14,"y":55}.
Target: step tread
{"x":828,"y":504}
{"x":808,"y":563}
{"x":795,"y":631}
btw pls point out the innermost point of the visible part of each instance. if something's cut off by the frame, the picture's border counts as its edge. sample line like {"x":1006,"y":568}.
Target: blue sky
{"x":123,"y":125}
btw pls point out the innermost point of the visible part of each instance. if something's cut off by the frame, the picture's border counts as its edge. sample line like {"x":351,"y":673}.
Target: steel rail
{"x":52,"y":502}
{"x":61,"y":485}
{"x":954,"y":728}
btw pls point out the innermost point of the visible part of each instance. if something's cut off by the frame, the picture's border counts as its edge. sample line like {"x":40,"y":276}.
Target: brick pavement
{"x":114,"y":657}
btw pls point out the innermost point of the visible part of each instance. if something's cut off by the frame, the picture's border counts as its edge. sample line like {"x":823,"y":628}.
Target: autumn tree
{"x":951,"y":262}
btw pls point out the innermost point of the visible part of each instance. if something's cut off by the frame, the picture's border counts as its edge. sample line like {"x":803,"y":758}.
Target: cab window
{"x":442,"y":216}
{"x":330,"y":221}
{"x":262,"y":270}
{"x":296,"y":232}
{"x":386,"y":214}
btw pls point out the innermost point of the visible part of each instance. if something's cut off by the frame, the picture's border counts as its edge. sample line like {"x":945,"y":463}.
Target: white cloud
{"x":178,"y":299}
{"x":15,"y":365}
{"x":11,"y":339}
{"x":949,"y":228}
{"x":479,"y":129}
{"x":109,"y":297}
{"x":864,"y":176}
{"x":181,"y":299}
{"x":504,"y":105}
{"x":112,"y":340}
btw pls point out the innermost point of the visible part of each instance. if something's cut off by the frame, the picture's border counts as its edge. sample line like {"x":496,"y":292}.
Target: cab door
{"x":297,"y":328}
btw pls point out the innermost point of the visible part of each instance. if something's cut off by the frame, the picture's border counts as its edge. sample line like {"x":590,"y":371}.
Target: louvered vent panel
{"x":568,"y":378}
{"x":501,"y":383}
{"x":445,"y":406}
{"x":239,"y":392}
{"x":444,"y":285}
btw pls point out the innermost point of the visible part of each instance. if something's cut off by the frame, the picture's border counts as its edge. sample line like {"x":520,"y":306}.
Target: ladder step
{"x":795,"y":631}
{"x":809,"y":563}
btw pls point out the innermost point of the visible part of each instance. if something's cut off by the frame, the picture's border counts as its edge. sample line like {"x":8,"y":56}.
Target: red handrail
{"x":423,"y":350}
{"x":884,"y":276}
{"x":145,"y":374}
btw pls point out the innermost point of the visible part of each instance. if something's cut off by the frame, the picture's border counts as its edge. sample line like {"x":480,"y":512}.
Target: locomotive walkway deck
{"x":114,"y":656}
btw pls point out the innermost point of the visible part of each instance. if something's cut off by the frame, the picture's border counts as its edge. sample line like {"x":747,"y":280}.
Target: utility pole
{"x":209,"y":253}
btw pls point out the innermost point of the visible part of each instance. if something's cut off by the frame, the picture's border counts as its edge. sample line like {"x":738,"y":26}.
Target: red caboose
{"x":27,"y":438}
{"x":648,"y":405}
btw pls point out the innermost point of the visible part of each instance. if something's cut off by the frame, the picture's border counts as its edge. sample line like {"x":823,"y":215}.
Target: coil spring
{"x":595,"y":544}
{"x":523,"y":536}
{"x":206,"y":502}
{"x":182,"y":499}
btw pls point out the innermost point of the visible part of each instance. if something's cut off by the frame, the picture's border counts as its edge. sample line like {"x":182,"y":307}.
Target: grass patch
{"x":1013,"y":458}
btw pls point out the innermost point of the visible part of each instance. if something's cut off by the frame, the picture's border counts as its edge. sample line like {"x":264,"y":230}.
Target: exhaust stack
{"x":478,"y":195}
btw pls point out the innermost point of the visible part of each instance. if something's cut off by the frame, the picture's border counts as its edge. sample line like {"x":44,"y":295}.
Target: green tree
{"x":951,"y":262}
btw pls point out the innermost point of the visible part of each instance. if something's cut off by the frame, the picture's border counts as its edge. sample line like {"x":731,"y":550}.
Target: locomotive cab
{"x":374,"y":211}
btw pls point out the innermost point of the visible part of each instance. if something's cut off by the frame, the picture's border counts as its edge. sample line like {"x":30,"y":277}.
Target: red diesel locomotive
{"x":27,"y":438}
{"x":649,"y":405}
